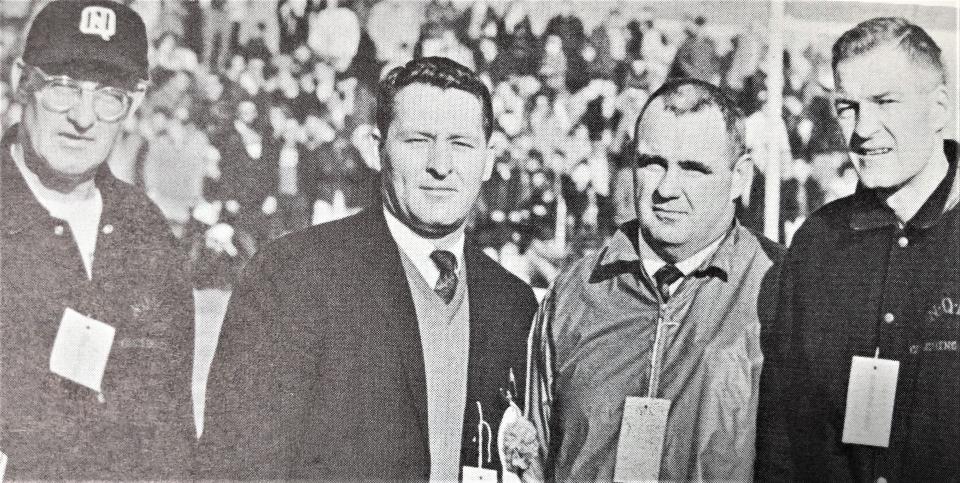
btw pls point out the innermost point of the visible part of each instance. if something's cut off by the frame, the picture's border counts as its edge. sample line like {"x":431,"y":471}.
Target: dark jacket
{"x":319,"y":373}
{"x":856,"y":282}
{"x":53,"y":428}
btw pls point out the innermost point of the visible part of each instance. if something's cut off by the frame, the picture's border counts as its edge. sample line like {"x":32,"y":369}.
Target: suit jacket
{"x":319,"y":373}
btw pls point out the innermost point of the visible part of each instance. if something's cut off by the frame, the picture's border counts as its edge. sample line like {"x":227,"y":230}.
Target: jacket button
{"x":107,"y":229}
{"x":903,"y":242}
{"x":881,"y":480}
{"x":888,"y":318}
{"x":58,"y":230}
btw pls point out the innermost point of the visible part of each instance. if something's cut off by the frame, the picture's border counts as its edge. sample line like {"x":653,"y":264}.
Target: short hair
{"x":894,"y":31}
{"x":435,"y":71}
{"x":688,"y":95}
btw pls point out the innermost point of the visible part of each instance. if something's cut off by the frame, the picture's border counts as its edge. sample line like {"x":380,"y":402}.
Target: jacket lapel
{"x":389,"y":291}
{"x":481,"y":383}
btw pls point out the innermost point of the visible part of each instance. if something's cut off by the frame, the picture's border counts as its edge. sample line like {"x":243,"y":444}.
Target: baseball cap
{"x":83,"y":36}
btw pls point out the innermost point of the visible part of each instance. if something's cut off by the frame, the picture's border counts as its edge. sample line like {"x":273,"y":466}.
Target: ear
{"x":16,"y":78}
{"x":489,"y":161}
{"x":136,"y":100}
{"x":376,"y":145}
{"x":941,"y":112}
{"x":742,"y":177}
{"x":15,"y":73}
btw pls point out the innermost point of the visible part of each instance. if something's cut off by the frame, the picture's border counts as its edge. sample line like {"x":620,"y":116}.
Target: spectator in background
{"x":261,"y":23}
{"x":394,"y":26}
{"x":246,"y":178}
{"x":294,"y":23}
{"x":216,"y":34}
{"x":174,"y":167}
{"x":697,"y":56}
{"x":744,"y":59}
{"x":335,"y":35}
{"x":765,"y":138}
{"x":569,"y":28}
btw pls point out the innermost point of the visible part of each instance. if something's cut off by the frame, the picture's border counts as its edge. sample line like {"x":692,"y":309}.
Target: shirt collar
{"x":48,"y":199}
{"x":652,"y":262}
{"x":621,"y":256}
{"x":418,"y":248}
{"x":870,"y":212}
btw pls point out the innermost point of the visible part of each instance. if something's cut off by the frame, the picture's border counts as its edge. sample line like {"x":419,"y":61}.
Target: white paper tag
{"x":642,"y":432}
{"x":870,"y":397}
{"x":474,"y":474}
{"x":511,"y":477}
{"x":3,"y":465}
{"x":81,"y":349}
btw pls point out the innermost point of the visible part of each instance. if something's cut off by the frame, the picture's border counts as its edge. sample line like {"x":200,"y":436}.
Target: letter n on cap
{"x":97,"y":20}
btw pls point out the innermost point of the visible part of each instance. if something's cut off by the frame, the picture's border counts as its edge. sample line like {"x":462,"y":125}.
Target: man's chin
{"x":663,"y":236}
{"x":435,"y":227}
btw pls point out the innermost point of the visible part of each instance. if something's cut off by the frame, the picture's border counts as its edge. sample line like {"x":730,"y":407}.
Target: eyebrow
{"x":644,"y":159}
{"x":434,"y":136}
{"x":691,"y":165}
{"x":840,"y":97}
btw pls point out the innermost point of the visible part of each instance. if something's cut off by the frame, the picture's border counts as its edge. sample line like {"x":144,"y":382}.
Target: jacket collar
{"x":21,"y":209}
{"x":869,"y":212}
{"x":620,"y":256}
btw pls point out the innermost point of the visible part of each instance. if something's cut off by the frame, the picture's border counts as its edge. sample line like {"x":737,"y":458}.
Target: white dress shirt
{"x":83,"y":216}
{"x":652,"y":262}
{"x":418,"y":248}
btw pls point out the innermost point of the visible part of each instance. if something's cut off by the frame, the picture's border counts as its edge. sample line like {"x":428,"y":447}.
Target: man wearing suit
{"x":374,"y":347}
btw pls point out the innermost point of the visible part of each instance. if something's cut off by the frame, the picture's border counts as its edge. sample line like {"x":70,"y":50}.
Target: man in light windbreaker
{"x":645,"y":358}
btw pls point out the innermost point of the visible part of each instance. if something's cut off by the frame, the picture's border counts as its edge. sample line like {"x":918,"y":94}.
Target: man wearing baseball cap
{"x":96,"y":327}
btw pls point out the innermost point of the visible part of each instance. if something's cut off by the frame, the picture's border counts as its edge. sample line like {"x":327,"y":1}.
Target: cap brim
{"x":100,"y":72}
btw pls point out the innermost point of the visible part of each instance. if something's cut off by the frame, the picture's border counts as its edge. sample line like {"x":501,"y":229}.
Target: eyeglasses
{"x":61,"y":93}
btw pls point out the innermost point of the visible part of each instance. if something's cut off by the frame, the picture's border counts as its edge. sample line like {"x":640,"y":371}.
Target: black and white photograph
{"x":509,"y":241}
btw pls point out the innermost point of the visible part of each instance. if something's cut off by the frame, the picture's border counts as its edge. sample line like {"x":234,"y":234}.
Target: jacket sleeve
{"x":538,"y":399}
{"x":240,"y":438}
{"x":773,"y":461}
{"x":174,"y":428}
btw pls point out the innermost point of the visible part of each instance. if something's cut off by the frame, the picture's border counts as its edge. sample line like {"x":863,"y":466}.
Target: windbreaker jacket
{"x":856,"y":282}
{"x":591,"y":346}
{"x":52,"y":428}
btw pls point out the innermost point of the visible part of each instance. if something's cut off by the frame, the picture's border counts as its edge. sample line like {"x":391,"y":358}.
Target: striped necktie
{"x":447,"y":283}
{"x":665,"y":277}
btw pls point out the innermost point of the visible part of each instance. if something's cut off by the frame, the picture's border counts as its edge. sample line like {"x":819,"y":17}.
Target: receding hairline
{"x":896,"y":33}
{"x":706,"y":109}
{"x":933,"y":75}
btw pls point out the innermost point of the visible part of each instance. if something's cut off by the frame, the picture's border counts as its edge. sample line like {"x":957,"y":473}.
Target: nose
{"x":668,"y":187}
{"x":868,"y":120}
{"x":439,"y":164}
{"x":82,"y":115}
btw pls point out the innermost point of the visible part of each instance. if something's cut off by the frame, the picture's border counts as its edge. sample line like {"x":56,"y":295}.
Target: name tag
{"x":870,"y":397}
{"x":642,"y":432}
{"x":81,"y":349}
{"x":511,"y":477}
{"x":477,"y":475}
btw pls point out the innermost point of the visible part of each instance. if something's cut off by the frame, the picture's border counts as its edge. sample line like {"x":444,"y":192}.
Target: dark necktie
{"x":665,"y":277}
{"x":447,"y":283}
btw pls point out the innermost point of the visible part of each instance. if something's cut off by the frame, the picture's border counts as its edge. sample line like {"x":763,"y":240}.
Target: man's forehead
{"x":423,"y":106}
{"x":661,"y":127}
{"x":885,"y":69}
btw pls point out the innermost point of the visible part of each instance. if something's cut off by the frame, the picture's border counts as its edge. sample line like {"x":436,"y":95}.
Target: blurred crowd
{"x":259,"y":118}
